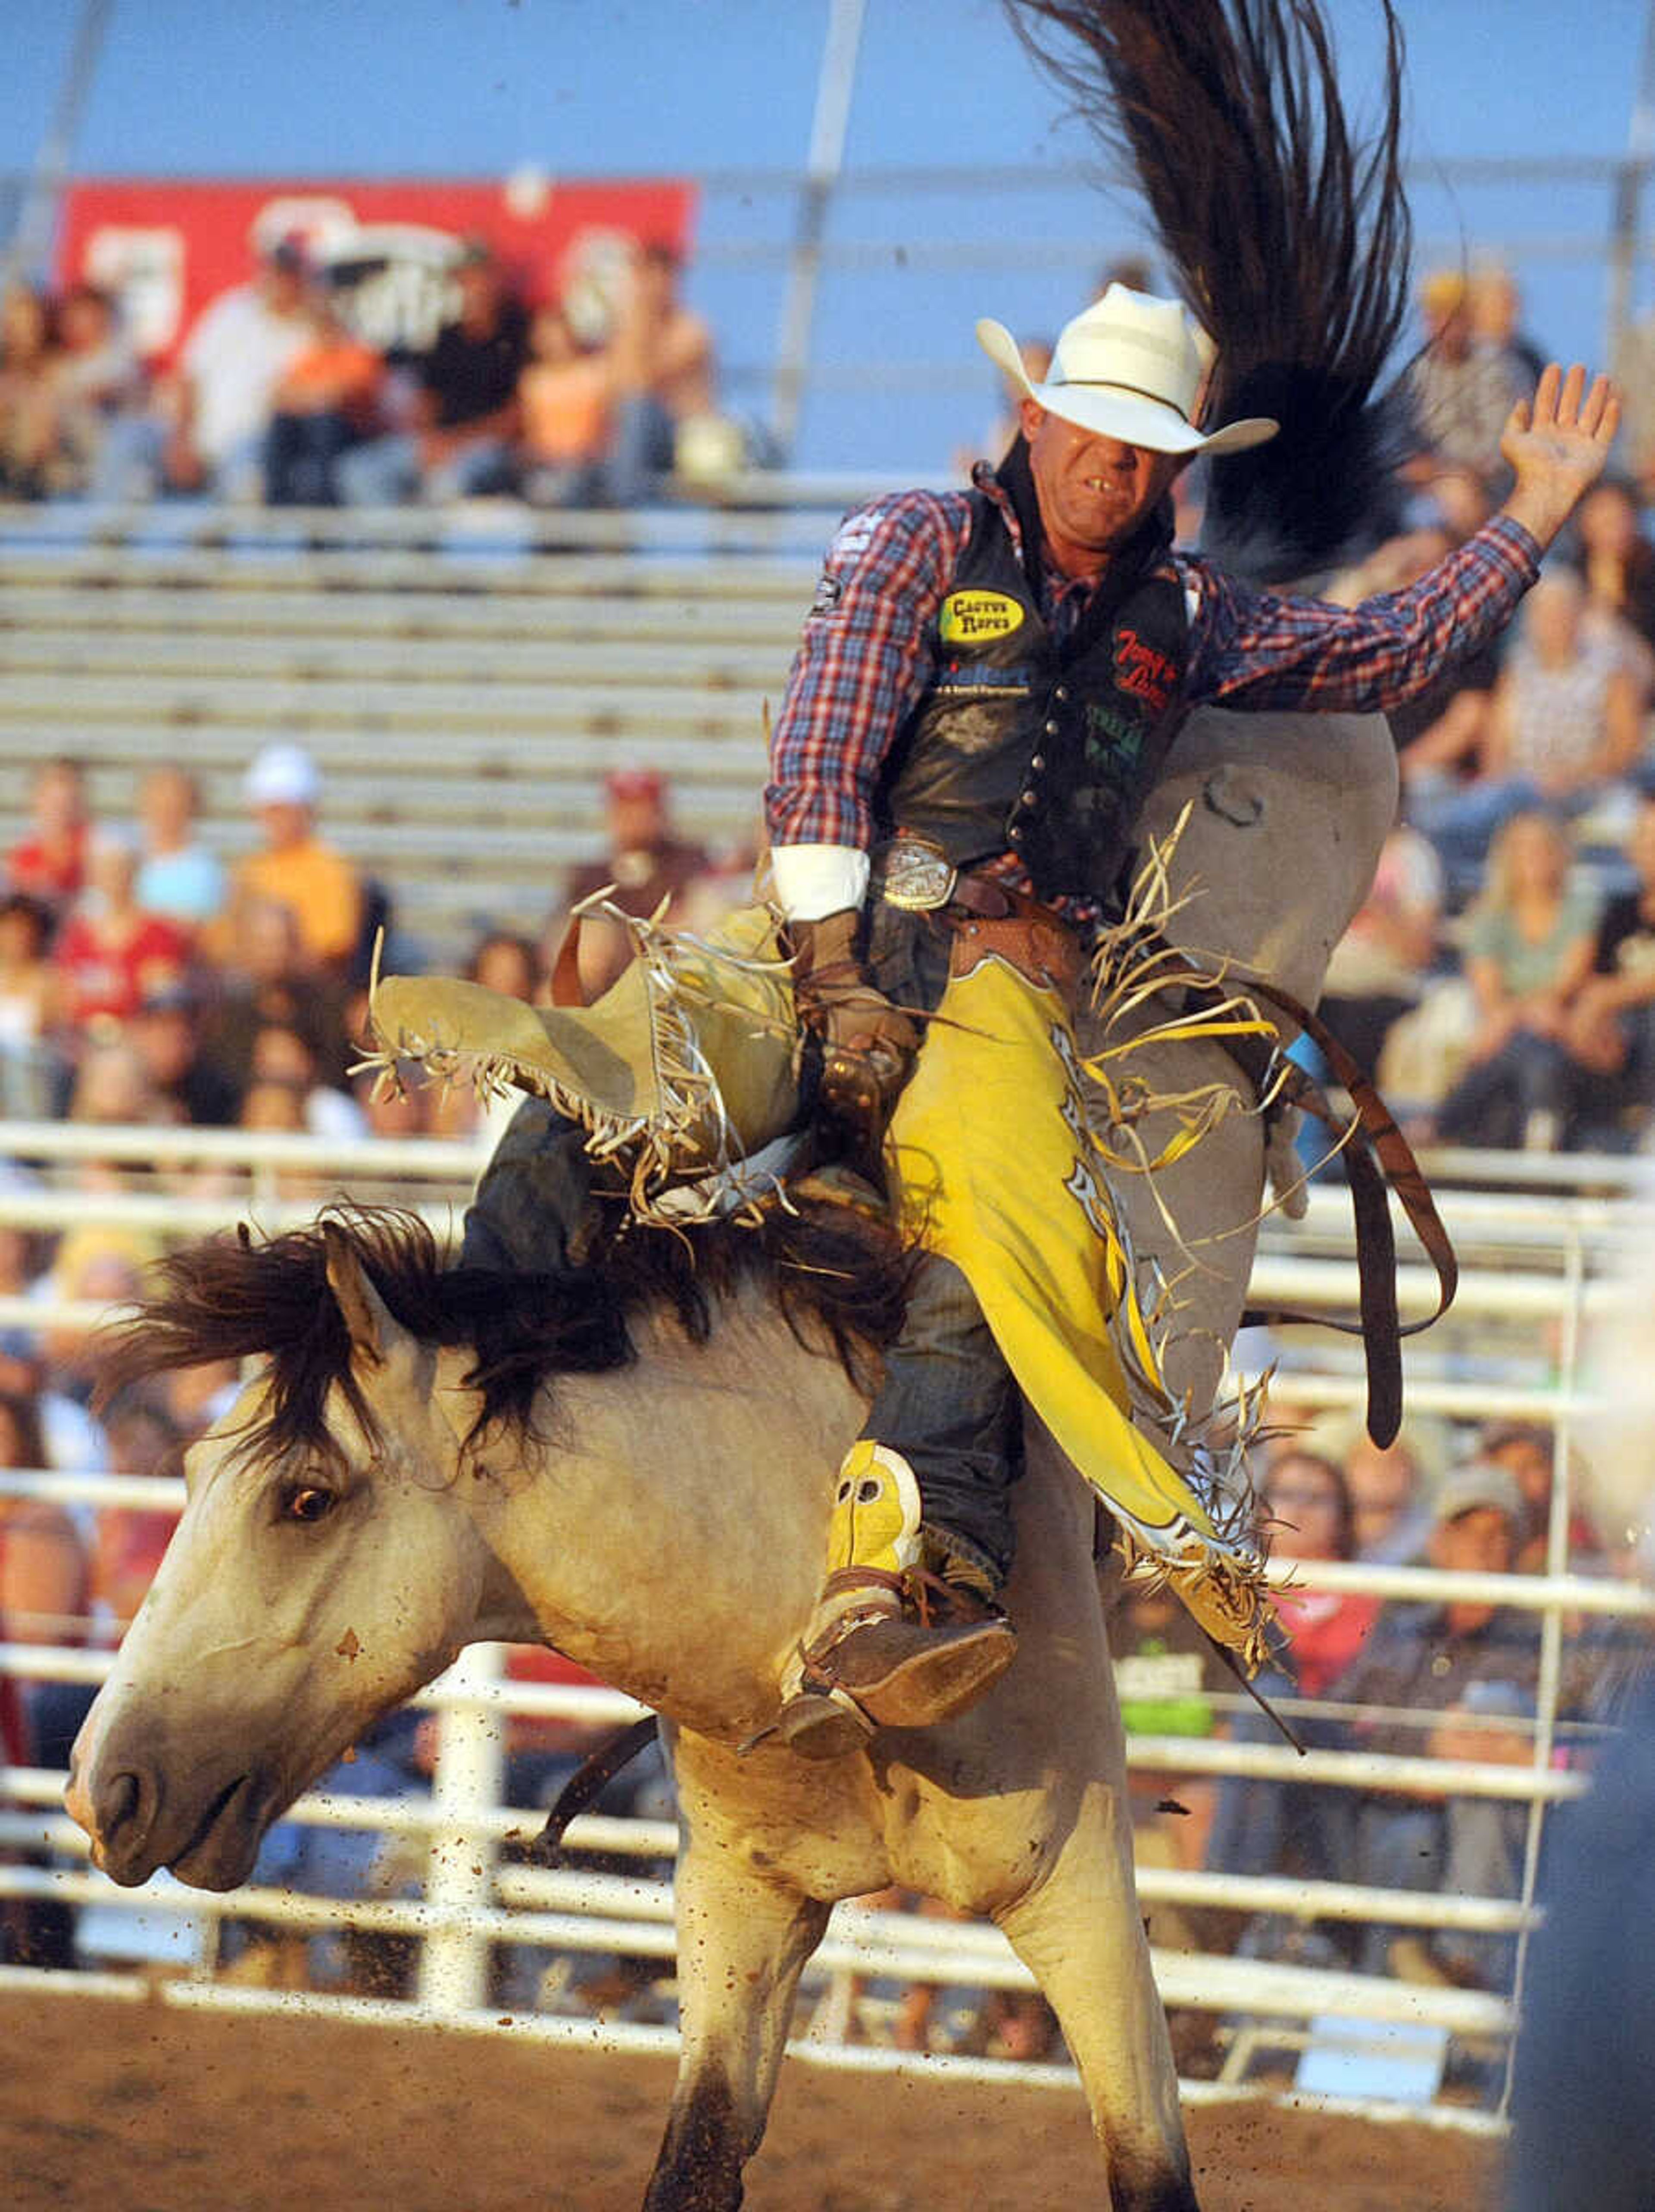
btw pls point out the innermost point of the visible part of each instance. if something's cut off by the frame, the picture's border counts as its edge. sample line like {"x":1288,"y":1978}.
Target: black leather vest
{"x":1022,"y":745}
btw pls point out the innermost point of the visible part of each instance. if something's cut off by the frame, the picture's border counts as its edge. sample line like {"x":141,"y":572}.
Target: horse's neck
{"x":670,"y":1534}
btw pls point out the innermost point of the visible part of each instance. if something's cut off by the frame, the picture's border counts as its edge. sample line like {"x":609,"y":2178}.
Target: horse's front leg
{"x":742,"y":1944}
{"x":1079,"y":1934}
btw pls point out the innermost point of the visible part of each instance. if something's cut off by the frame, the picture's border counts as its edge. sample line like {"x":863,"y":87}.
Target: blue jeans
{"x":388,"y":473}
{"x":301,"y":457}
{"x":1260,"y":1826}
{"x":1464,"y":1847}
{"x":1493,"y":1101}
{"x":642,"y":449}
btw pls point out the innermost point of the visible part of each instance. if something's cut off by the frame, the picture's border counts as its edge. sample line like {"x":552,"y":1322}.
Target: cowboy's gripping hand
{"x":836,"y":998}
{"x":1557,"y":444}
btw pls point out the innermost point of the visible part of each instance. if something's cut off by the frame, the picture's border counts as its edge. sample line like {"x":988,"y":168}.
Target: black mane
{"x":839,"y":1281}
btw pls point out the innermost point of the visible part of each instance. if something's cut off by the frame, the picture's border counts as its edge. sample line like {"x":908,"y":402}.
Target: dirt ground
{"x":147,"y":2108}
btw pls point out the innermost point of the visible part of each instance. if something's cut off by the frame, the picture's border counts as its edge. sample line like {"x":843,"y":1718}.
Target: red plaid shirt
{"x":868,"y":655}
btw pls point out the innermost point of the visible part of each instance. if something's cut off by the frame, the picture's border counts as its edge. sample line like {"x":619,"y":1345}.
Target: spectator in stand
{"x":1529,"y":946}
{"x":1633,"y":370}
{"x":102,"y":1268}
{"x":43,"y":1562}
{"x":19,"y":1266}
{"x":44,"y":1600}
{"x":276,"y":1104}
{"x":166,"y":1034}
{"x":466,"y":413}
{"x":662,"y":358}
{"x":1264,"y":1827}
{"x":1380,"y":967}
{"x":1528,"y":1452}
{"x":100,"y":428}
{"x":505,"y":962}
{"x":269,"y":982}
{"x":180,"y":877}
{"x":143,"y":1440}
{"x":194,"y":1397}
{"x":294,"y":865}
{"x":1497,"y":311}
{"x":1463,"y":389}
{"x":568,"y":395}
{"x":1609,"y":1030}
{"x":1475,"y":1667}
{"x":242,"y":345}
{"x":50,"y":862}
{"x":646,"y":863}
{"x":283,"y":1053}
{"x":1616,"y":558}
{"x":1389,"y":1487}
{"x":110,"y":953}
{"x":327,"y":402}
{"x":26,"y":353}
{"x":1564,"y":730}
{"x":399,"y":1113}
{"x":29,"y":1070}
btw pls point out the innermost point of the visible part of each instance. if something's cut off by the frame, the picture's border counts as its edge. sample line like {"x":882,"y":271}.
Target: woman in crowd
{"x":1563,"y":729}
{"x":44,"y":1599}
{"x":1529,"y":946}
{"x":27,"y":1066}
{"x":1616,"y":559}
{"x":1305,"y":1510}
{"x":568,"y":395}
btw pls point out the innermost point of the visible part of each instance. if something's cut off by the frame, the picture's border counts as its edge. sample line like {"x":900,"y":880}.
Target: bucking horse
{"x":635,"y":1464}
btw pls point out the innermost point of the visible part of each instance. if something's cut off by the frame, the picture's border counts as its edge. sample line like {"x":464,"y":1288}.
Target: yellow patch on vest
{"x":973,"y":617}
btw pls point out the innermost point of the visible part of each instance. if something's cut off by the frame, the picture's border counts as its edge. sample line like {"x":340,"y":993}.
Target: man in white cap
{"x":294,"y":867}
{"x":988,"y":684}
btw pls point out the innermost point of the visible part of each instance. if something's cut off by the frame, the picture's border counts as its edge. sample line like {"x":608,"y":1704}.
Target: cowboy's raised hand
{"x":1557,"y":444}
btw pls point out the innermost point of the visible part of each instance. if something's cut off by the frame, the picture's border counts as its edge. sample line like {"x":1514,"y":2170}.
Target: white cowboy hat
{"x":1130,"y":367}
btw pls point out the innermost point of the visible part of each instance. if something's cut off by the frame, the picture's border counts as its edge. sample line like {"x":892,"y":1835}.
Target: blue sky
{"x":476,"y":88}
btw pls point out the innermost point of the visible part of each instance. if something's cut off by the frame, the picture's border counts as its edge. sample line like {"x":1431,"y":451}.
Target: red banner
{"x":165,"y":248}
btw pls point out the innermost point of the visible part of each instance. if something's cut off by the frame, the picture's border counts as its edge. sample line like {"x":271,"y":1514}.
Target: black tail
{"x":1290,"y":240}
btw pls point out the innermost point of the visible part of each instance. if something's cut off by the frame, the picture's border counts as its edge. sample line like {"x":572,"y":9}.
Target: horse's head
{"x":315,"y":1580}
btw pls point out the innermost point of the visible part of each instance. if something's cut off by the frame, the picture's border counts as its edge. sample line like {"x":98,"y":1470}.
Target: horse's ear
{"x":372,"y":1330}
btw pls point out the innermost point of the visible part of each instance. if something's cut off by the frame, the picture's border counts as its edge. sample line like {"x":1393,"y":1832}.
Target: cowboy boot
{"x":888,"y":1645}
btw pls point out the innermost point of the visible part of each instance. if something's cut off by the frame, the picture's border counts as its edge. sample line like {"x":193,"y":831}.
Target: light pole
{"x":826,"y":156}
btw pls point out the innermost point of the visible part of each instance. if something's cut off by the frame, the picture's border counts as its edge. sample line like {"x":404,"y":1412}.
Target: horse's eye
{"x":309,"y":1503}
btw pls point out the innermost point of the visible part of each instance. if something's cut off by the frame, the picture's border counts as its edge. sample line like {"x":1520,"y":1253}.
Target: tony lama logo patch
{"x":974,"y":618}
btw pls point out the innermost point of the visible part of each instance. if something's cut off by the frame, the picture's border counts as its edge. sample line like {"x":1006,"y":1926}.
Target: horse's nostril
{"x":120,"y":1801}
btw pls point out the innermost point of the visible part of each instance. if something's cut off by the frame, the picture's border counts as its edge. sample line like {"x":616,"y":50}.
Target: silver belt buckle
{"x":916,"y":876}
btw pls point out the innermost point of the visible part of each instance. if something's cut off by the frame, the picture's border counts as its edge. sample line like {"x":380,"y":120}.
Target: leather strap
{"x":565,"y":968}
{"x":982,"y":895}
{"x":599,"y":1768}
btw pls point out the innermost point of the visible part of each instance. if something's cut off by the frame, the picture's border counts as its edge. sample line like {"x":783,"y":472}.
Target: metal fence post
{"x":460,"y":1859}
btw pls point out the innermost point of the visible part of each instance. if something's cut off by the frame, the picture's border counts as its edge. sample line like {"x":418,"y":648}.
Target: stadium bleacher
{"x":463,"y":680}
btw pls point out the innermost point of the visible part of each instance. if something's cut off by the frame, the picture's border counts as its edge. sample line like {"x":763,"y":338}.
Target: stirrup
{"x":822,"y":1724}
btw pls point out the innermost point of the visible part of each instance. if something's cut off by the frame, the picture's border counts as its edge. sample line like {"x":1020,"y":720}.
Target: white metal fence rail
{"x":1550,"y":1268}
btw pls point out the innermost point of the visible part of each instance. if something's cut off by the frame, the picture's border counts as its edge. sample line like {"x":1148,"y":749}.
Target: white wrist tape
{"x":814,"y":880}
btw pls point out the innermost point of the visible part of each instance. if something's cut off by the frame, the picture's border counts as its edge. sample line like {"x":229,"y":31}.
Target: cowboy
{"x":988,"y":684}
